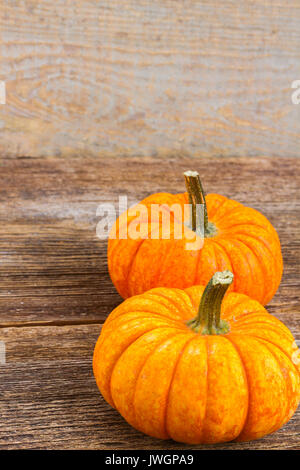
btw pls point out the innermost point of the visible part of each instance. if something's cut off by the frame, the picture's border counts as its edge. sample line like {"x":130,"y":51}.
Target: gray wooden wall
{"x":149,"y":77}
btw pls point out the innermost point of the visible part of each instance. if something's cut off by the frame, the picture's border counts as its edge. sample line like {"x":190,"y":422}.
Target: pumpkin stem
{"x":208,"y":321}
{"x":197,"y":198}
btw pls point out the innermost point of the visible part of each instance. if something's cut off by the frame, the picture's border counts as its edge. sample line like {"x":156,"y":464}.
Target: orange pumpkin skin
{"x":170,"y":382}
{"x":245,"y":243}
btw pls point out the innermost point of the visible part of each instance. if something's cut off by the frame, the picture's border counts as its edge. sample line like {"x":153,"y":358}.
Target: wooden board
{"x":49,"y":399}
{"x":55,"y":291}
{"x":149,"y":77}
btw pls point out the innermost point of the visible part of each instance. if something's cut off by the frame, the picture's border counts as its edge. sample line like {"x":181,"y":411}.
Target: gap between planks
{"x":49,"y":323}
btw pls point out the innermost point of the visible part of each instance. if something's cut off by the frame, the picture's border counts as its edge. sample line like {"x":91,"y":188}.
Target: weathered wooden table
{"x":55,"y":290}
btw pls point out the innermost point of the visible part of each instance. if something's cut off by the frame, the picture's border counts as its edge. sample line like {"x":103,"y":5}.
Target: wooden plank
{"x":55,"y":290}
{"x":52,"y":265}
{"x":49,"y":399}
{"x":149,"y":77}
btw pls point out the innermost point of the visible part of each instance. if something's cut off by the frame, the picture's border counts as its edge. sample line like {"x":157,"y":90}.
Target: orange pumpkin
{"x":236,"y":238}
{"x":204,"y":380}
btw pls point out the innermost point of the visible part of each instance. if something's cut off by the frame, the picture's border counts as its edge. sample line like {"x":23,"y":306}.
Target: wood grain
{"x":55,"y":291}
{"x":53,"y":266}
{"x":49,"y":399}
{"x":148,"y":77}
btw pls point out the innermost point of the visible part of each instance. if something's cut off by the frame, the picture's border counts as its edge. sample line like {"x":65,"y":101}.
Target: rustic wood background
{"x":149,"y":77}
{"x":55,"y":290}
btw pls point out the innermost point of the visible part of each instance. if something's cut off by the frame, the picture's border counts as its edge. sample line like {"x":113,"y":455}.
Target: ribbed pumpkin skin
{"x":170,"y":382}
{"x":246,"y":244}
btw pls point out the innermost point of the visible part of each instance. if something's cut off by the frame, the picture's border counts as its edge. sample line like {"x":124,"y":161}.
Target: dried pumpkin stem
{"x":196,"y":201}
{"x":196,"y":197}
{"x":208,"y":321}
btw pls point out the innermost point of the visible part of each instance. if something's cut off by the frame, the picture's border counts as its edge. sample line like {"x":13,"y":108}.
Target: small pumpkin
{"x":226,"y":370}
{"x":236,"y":238}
